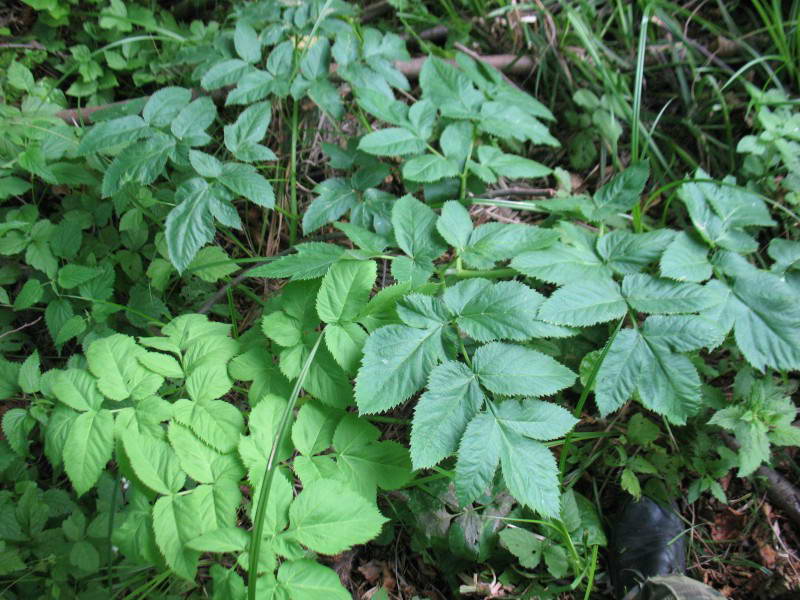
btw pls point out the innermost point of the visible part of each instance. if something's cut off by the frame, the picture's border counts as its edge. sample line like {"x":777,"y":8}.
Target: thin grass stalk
{"x":269,"y":474}
{"x":638,"y":84}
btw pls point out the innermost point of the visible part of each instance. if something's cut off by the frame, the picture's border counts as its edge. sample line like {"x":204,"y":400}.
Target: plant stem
{"x":269,"y":474}
{"x":295,"y":218}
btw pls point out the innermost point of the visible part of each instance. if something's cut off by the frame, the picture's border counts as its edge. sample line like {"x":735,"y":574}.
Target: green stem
{"x":592,"y":570}
{"x":293,"y":191}
{"x":269,"y":473}
{"x":637,"y":105}
{"x":492,"y":274}
{"x":584,"y":395}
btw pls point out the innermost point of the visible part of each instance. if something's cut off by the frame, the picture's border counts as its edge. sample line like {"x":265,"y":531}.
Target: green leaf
{"x":252,"y":87}
{"x":246,"y":181}
{"x":77,"y":389}
{"x":622,"y":193}
{"x":153,"y":462}
{"x":30,"y":374}
{"x":162,"y":364}
{"x":242,"y":137}
{"x":530,"y":472}
{"x":163,"y":106}
{"x":216,"y":422}
{"x":455,"y":225}
{"x":335,"y":197}
{"x":312,"y":260}
{"x":110,"y":134}
{"x":652,"y":295}
{"x":227,"y":72}
{"x":508,"y":120}
{"x":345,"y":342}
{"x":562,"y":264}
{"x":415,"y":228}
{"x":327,"y":517}
{"x":456,"y":141}
{"x":524,"y":545}
{"x":429,"y":168}
{"x":443,"y":412}
{"x":397,"y":361}
{"x":212,"y":264}
{"x":393,"y":141}
{"x":512,"y":370}
{"x":119,"y":375}
{"x":669,"y":385}
{"x":140,"y":163}
{"x":583,"y":304}
{"x":246,"y":42}
{"x":29,"y":295}
{"x":627,"y":252}
{"x":313,"y":428}
{"x":175,"y":523}
{"x":17,"y":426}
{"x":194,"y":119}
{"x":684,"y":333}
{"x":88,"y":448}
{"x":345,"y":290}
{"x":620,"y":371}
{"x":686,"y":259}
{"x":478,"y":457}
{"x":190,"y":225}
{"x":223,"y":540}
{"x":509,"y":165}
{"x":494,"y":311}
{"x":70,"y":276}
{"x":310,"y":580}
{"x":535,"y":419}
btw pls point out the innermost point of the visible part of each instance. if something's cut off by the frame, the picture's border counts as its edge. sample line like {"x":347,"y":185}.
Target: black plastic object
{"x":646,"y":540}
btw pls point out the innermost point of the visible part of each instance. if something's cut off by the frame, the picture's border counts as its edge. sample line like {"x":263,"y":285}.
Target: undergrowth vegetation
{"x":291,"y":285}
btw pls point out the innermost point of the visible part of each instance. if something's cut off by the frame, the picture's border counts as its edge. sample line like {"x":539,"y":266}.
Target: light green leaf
{"x":216,"y":422}
{"x":583,"y":304}
{"x":397,"y":360}
{"x":29,"y":295}
{"x":70,"y":276}
{"x":309,"y":580}
{"x":119,"y":375}
{"x":212,"y":264}
{"x":455,"y":224}
{"x":190,"y":225}
{"x":163,"y":106}
{"x":345,"y":341}
{"x":345,"y":290}
{"x":683,"y":333}
{"x":686,"y":259}
{"x":509,"y":165}
{"x":176,"y":523}
{"x":313,"y":429}
{"x":562,"y":264}
{"x":154,"y":462}
{"x":478,"y":456}
{"x":429,"y":168}
{"x":512,"y":370}
{"x":453,"y":398}
{"x":246,"y":42}
{"x":535,"y":419}
{"x":246,"y":181}
{"x":223,"y":540}
{"x":652,"y":295}
{"x":140,"y":163}
{"x":530,"y":472}
{"x":415,"y":228}
{"x":327,"y":517}
{"x":393,"y":141}
{"x":88,"y":448}
{"x":109,"y":134}
{"x":669,"y":384}
{"x":29,"y":374}
{"x":312,"y":260}
{"x":77,"y":389}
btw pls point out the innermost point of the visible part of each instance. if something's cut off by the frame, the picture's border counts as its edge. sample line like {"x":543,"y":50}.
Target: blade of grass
{"x":269,"y":474}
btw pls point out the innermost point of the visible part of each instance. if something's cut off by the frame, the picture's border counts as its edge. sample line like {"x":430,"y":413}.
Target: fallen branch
{"x":508,"y":63}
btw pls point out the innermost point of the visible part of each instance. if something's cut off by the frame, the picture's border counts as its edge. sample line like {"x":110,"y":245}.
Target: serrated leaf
{"x":310,"y":580}
{"x":162,"y":364}
{"x":511,"y":370}
{"x":88,"y":448}
{"x":396,"y":363}
{"x":335,"y":197}
{"x":562,"y":264}
{"x":620,"y":371}
{"x":392,"y":141}
{"x":246,"y":42}
{"x":453,"y":398}
{"x":327,"y":517}
{"x":109,"y":134}
{"x":226,"y":539}
{"x":495,"y":311}
{"x":175,"y":523}
{"x":227,"y":72}
{"x":30,"y":375}
{"x":249,"y":127}
{"x":77,"y":389}
{"x":119,"y":375}
{"x":669,"y":385}
{"x":627,"y":252}
{"x":535,"y":419}
{"x":312,"y":260}
{"x":530,"y":472}
{"x":70,"y":276}
{"x":163,"y":106}
{"x":194,"y":119}
{"x":415,"y":228}
{"x":313,"y":428}
{"x":686,"y":259}
{"x":683,"y":333}
{"x":455,"y":225}
{"x":652,"y":295}
{"x":583,"y":304}
{"x":429,"y":168}
{"x":29,"y":295}
{"x":524,"y":545}
{"x":154,"y":462}
{"x":345,"y":341}
{"x":478,"y":457}
{"x":140,"y":163}
{"x":216,"y":422}
{"x":509,"y":165}
{"x":190,"y":225}
{"x":622,"y":193}
{"x":345,"y":290}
